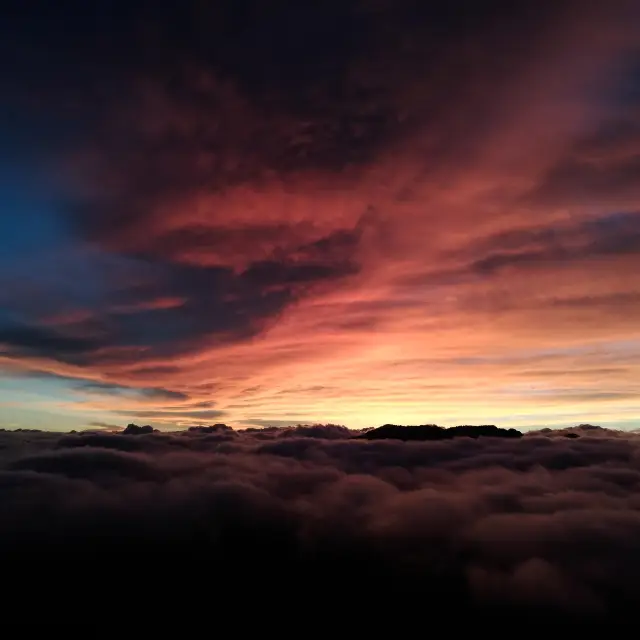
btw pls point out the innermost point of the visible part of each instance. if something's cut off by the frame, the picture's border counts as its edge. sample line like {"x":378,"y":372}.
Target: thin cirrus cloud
{"x":437,"y":217}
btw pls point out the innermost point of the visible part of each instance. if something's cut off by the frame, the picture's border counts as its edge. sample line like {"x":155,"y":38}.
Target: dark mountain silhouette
{"x":214,"y":428}
{"x":135,"y":430}
{"x":434,"y":432}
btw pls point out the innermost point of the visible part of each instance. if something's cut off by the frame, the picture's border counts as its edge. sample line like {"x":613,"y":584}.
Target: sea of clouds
{"x":310,"y":519}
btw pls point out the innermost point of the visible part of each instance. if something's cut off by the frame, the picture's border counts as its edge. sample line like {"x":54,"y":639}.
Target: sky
{"x":352,"y":212}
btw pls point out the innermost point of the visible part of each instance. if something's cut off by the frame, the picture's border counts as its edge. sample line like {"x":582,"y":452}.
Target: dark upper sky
{"x":358,"y":211}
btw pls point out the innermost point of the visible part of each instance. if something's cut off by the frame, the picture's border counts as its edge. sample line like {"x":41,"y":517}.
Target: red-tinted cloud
{"x":348,"y":211}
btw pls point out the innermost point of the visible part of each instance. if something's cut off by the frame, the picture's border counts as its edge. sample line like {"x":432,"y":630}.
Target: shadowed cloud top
{"x":487,"y":532}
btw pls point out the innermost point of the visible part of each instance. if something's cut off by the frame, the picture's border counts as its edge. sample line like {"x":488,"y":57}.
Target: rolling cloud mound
{"x":313,"y":524}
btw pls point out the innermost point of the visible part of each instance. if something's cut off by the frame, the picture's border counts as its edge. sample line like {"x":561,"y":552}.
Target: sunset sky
{"x":352,"y":212}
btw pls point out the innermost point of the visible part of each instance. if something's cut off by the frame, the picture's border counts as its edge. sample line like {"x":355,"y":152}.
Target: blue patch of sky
{"x":27,"y":390}
{"x":42,"y":255}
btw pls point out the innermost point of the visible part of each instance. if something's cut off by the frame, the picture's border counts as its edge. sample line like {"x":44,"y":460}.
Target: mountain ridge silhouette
{"x":435,"y":432}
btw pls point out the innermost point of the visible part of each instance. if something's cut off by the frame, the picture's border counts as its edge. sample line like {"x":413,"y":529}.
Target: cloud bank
{"x":494,"y":531}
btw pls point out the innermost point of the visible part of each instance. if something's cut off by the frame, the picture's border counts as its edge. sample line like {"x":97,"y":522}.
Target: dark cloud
{"x":498,"y":531}
{"x":205,"y":404}
{"x":157,"y":393}
{"x":271,"y":274}
{"x":608,"y":235}
{"x":105,"y":425}
{"x":143,"y":372}
{"x":152,"y":393}
{"x":107,"y":388}
{"x":42,"y":341}
{"x":602,"y":167}
{"x":180,"y":415}
{"x":101,"y":387}
{"x":219,"y":305}
{"x":535,"y":248}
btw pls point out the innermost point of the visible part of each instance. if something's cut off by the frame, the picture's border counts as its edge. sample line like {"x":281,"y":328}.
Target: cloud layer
{"x":492,"y":530}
